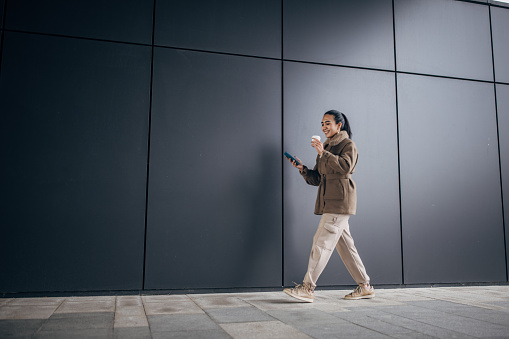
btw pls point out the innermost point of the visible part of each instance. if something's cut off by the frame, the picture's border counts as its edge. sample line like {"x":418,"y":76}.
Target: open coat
{"x":332,"y":174}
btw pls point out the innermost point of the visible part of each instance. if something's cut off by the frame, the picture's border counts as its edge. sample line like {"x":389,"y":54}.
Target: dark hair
{"x":341,"y":118}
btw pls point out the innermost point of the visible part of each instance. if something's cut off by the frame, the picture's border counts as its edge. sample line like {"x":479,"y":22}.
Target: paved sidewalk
{"x":444,"y":312}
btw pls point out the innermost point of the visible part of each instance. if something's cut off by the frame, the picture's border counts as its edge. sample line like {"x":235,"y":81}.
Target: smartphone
{"x":289,"y":156}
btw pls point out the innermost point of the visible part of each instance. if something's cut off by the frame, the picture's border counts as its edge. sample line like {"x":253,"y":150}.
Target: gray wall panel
{"x":74,"y":135}
{"x":500,"y":31}
{"x":250,"y":27}
{"x":443,"y":37}
{"x":503,"y":130}
{"x":215,"y":196}
{"x":368,"y":100}
{"x":354,"y":33}
{"x":450,"y":181}
{"x":119,"y":20}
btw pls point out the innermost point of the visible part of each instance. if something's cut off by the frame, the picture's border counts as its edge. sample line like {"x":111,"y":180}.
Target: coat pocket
{"x":334,"y":189}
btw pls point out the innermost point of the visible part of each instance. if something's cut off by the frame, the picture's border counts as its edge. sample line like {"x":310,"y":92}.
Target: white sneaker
{"x":361,"y":293}
{"x":302,"y":292}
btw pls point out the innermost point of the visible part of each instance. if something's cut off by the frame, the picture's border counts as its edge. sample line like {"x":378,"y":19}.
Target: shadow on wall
{"x":261,"y":249}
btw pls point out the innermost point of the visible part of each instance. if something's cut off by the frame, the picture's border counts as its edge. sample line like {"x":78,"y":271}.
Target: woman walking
{"x":335,"y":202}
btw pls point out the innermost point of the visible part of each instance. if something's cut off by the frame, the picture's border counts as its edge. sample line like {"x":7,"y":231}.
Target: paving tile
{"x":501,"y":288}
{"x":409,"y":311}
{"x":5,"y":301}
{"x":467,"y":326}
{"x":377,"y":325}
{"x":129,"y":301}
{"x":130,"y":313}
{"x":411,"y":335}
{"x":473,"y":293}
{"x":164,"y":298}
{"x":262,"y":330}
{"x":238,"y":314}
{"x":375,"y":302}
{"x":471,"y":301}
{"x":440,"y":305}
{"x":328,"y":307}
{"x":110,"y":298}
{"x":131,"y":321}
{"x":132,"y":333}
{"x":19,"y":328}
{"x":490,"y":305}
{"x":75,"y":333}
{"x":307,"y":317}
{"x":361,"y":311}
{"x":195,"y":334}
{"x":340,"y":330}
{"x":282,"y":301}
{"x":256,"y":295}
{"x":400,"y":296}
{"x":487,"y":315}
{"x":320,"y":324}
{"x":26,"y":312}
{"x":449,"y":321}
{"x":86,"y":306}
{"x":501,"y":304}
{"x":420,"y":327}
{"x":459,"y":295}
{"x":36,"y":301}
{"x":180,"y":322}
{"x":78,"y":321}
{"x":488,"y":292}
{"x":214,"y":301}
{"x":186,"y":306}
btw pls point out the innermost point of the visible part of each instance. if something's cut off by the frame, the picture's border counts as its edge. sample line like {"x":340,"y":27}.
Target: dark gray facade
{"x":74,"y":139}
{"x":142,"y":141}
{"x":215,"y":186}
{"x":450,"y":181}
{"x":443,"y":37}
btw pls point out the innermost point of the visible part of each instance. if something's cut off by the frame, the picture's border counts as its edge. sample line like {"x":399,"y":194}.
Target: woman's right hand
{"x":300,"y":166}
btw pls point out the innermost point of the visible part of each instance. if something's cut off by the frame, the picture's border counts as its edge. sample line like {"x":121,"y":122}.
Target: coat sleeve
{"x":312,"y":177}
{"x":343,"y":163}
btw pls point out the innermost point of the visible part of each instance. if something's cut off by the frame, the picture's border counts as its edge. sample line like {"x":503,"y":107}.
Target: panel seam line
{"x":148,"y":146}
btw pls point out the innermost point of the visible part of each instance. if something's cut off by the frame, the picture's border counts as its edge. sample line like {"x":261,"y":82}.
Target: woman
{"x":336,"y":201}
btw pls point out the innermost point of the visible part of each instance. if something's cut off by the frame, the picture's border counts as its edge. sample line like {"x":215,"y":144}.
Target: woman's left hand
{"x":317,"y":145}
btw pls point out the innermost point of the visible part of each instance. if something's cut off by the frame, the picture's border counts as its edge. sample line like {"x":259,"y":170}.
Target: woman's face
{"x":329,"y":126}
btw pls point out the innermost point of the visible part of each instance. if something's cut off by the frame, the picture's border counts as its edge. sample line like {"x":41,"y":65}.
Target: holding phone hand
{"x":299,"y":166}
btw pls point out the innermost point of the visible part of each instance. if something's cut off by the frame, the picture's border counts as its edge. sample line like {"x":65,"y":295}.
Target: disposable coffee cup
{"x":317,"y":137}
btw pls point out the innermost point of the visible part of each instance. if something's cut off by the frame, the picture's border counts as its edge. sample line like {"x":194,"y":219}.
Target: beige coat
{"x":332,"y":175}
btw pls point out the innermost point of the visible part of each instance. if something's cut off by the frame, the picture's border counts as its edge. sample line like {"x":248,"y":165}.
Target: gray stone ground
{"x":443,"y":312}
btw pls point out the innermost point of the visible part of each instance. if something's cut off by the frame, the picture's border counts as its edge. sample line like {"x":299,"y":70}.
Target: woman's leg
{"x":350,"y":256}
{"x":326,"y":237}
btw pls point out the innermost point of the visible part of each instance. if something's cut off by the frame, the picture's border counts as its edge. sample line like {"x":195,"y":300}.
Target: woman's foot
{"x":364,"y":291}
{"x":302,"y":292}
